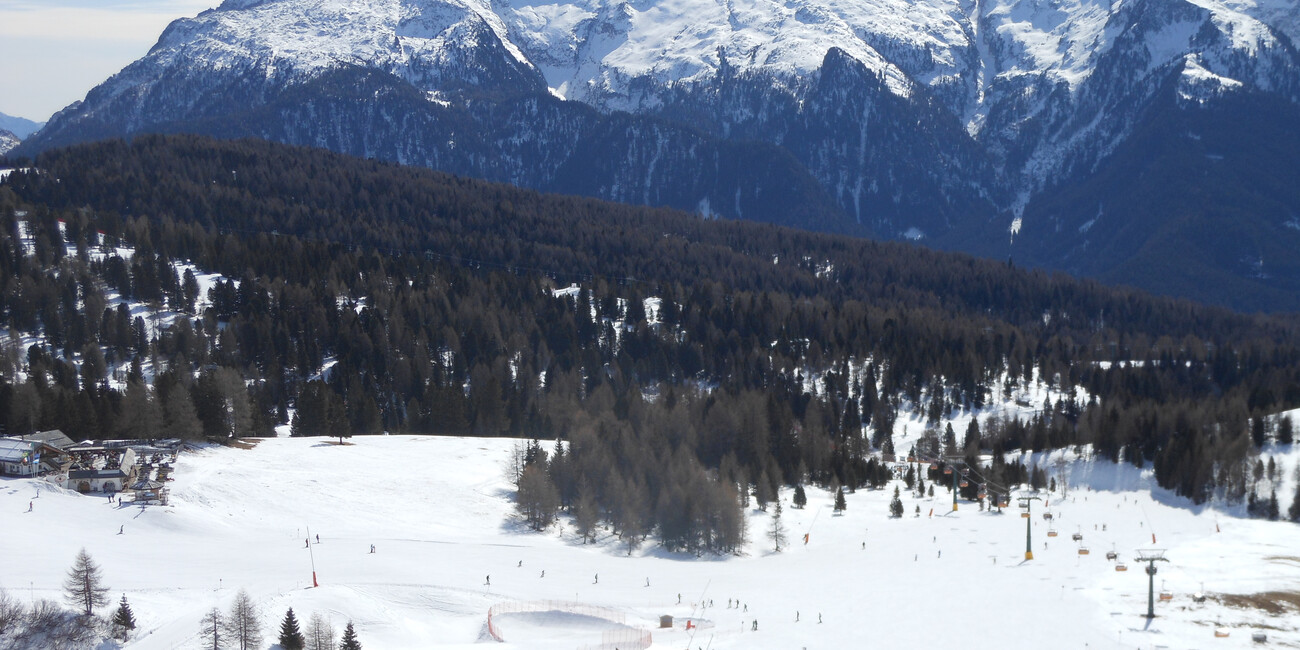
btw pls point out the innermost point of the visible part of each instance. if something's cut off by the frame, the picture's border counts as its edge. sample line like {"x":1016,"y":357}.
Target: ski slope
{"x":439,"y":513}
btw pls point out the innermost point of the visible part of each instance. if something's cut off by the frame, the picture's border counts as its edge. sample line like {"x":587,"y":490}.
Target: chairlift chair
{"x":1078,"y":537}
{"x":1083,"y":550}
{"x":1121,"y":567}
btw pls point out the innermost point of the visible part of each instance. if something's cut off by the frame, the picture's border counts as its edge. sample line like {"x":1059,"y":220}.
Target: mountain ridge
{"x":20,"y":127}
{"x":941,"y":124}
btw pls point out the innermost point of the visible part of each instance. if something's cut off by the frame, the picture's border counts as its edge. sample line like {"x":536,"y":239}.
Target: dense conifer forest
{"x":690,"y":364}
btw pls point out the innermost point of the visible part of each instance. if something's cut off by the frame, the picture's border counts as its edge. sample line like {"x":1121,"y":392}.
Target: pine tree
{"x":840,"y":504}
{"x":84,"y":587}
{"x":123,"y":620}
{"x":896,"y":506}
{"x":537,"y":499}
{"x":972,"y":439}
{"x":777,"y":533}
{"x":1285,"y":431}
{"x":291,"y":637}
{"x":1293,"y":513}
{"x":179,"y":417}
{"x":13,"y":613}
{"x":349,"y":640}
{"x":800,"y":498}
{"x":1258,"y":434}
{"x":189,"y":292}
{"x":320,"y":634}
{"x":763,"y":491}
{"x":1271,"y":509}
{"x":631,"y":532}
{"x":242,"y":624}
{"x":213,"y":628}
{"x":1037,"y":477}
{"x":141,"y":416}
{"x":586,"y":514}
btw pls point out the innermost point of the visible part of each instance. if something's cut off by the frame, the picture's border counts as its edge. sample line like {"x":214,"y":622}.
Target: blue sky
{"x":53,"y":51}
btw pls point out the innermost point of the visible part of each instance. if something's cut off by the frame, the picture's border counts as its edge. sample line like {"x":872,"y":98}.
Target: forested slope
{"x":367,"y":297}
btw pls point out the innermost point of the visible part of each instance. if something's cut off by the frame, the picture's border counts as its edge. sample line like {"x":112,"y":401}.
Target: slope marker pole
{"x":312,"y":555}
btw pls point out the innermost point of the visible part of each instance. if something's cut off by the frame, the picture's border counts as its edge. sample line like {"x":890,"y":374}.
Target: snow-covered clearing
{"x":439,"y":513}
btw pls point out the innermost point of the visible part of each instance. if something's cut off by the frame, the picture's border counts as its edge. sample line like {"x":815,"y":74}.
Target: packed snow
{"x":448,"y":548}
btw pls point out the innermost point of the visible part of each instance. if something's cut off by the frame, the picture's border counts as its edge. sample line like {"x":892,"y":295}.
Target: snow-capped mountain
{"x":7,"y":141}
{"x":941,"y":120}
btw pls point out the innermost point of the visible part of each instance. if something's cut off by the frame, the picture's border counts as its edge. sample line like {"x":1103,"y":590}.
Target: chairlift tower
{"x":1151,"y":557}
{"x":1029,"y":522}
{"x":956,"y":467}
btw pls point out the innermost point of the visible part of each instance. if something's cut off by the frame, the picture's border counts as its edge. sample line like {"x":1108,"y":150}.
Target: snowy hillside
{"x":439,"y":514}
{"x":940,"y":121}
{"x":7,"y":141}
{"x":153,"y":317}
